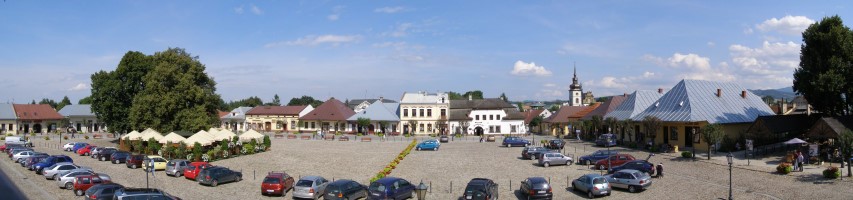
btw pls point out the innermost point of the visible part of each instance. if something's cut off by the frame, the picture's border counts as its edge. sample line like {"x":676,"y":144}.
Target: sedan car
{"x":481,"y":189}
{"x":276,"y":183}
{"x":345,"y":189}
{"x":85,"y":151}
{"x":525,"y":153}
{"x":213,"y":176}
{"x":97,"y":150}
{"x":50,"y":172}
{"x":536,"y":188}
{"x":515,"y":141}
{"x":22,"y":155}
{"x":192,"y":171}
{"x":104,"y":191}
{"x":176,"y":167}
{"x":68,"y":146}
{"x":429,"y":144}
{"x":310,"y":187}
{"x":104,"y":154}
{"x":141,"y":193}
{"x":78,"y":146}
{"x":639,"y":165}
{"x":26,"y":163}
{"x":595,"y":156}
{"x":549,"y":159}
{"x":159,"y":163}
{"x":50,"y":161}
{"x":119,"y":157}
{"x":66,"y":180}
{"x":630,"y":179}
{"x":614,"y":160}
{"x":390,"y":188}
{"x":593,"y":185}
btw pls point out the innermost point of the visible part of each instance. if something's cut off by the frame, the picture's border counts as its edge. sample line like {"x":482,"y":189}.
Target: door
{"x":688,"y":136}
{"x":267,"y":126}
{"x":478,"y":131}
{"x":666,"y":134}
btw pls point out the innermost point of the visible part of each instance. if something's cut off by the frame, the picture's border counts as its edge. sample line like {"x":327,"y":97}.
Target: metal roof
{"x":379,"y":111}
{"x":84,"y":110}
{"x":238,"y":113}
{"x":7,"y":111}
{"x":634,"y":104}
{"x":698,"y":100}
{"x":425,"y":98}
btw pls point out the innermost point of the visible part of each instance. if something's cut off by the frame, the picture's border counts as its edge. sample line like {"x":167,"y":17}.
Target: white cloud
{"x":336,"y":13}
{"x":648,"y":74}
{"x":681,"y":60}
{"x":772,"y":62}
{"x":401,"y":30}
{"x":747,"y":31}
{"x":256,"y":10}
{"x":333,"y":17}
{"x":312,"y":40}
{"x":389,"y":10}
{"x":79,"y":87}
{"x":550,"y":85}
{"x":791,"y":25}
{"x":610,"y":82}
{"x":711,"y":44}
{"x":239,"y":10}
{"x":526,"y":69}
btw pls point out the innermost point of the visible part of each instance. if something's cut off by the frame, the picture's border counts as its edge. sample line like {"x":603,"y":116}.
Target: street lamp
{"x":694,"y":148}
{"x":729,"y":159}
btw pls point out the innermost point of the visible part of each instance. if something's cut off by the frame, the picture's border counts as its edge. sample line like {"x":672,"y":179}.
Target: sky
{"x":372,"y":49}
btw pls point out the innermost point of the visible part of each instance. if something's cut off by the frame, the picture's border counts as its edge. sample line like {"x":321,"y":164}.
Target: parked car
{"x":595,"y":156}
{"x":515,"y":141}
{"x":134,"y":161}
{"x":119,"y":157}
{"x":9,"y":147}
{"x":26,"y":163}
{"x":429,"y":144}
{"x":633,"y":180}
{"x":390,"y":188}
{"x":176,"y":167}
{"x":593,"y":185}
{"x":549,"y":159}
{"x":536,"y":188}
{"x":68,"y":146}
{"x":345,"y":189}
{"x":614,"y":160}
{"x":481,"y":189}
{"x":525,"y":153}
{"x":22,"y":154}
{"x":159,"y":162}
{"x":18,"y":140}
{"x":606,"y":140}
{"x":104,"y":191}
{"x":213,"y":176}
{"x":276,"y":183}
{"x":78,"y":146}
{"x":193,"y":169}
{"x":104,"y":154}
{"x":639,"y":165}
{"x":50,"y":161}
{"x":310,"y":187}
{"x":17,"y":150}
{"x":444,"y":139}
{"x":84,"y":182}
{"x":98,"y":150}
{"x":535,"y":155}
{"x":556,"y":144}
{"x":66,"y":180}
{"x":85,"y":151}
{"x":52,"y":171}
{"x":3,"y":147}
{"x":141,"y":193}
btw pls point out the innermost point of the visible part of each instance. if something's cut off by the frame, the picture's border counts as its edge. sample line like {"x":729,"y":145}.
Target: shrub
{"x":3,"y":138}
{"x":831,"y":173}
{"x":784,"y":168}
{"x":338,"y":133}
{"x":46,"y":138}
{"x":359,"y":134}
{"x":267,"y":142}
{"x":249,"y":148}
{"x":196,"y":151}
{"x":8,"y":134}
{"x":686,"y":154}
{"x":86,"y":137}
{"x":65,"y":137}
{"x":33,"y":134}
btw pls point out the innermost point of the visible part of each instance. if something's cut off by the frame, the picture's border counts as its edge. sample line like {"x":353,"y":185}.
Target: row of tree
{"x":276,"y":101}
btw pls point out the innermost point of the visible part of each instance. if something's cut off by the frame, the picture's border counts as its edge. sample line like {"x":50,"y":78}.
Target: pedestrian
{"x":800,"y":160}
{"x":481,"y":139}
{"x":659,"y":168}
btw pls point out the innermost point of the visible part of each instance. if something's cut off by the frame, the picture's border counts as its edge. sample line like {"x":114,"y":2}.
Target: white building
{"x":575,"y":91}
{"x":81,"y":118}
{"x":235,"y":121}
{"x":485,"y":116}
{"x":424,"y":113}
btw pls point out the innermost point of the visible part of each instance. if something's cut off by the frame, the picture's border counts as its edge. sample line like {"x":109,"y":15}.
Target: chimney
{"x":660,"y":90}
{"x":784,"y":106}
{"x":470,"y":98}
{"x":719,"y":92}
{"x":624,"y":94}
{"x":743,"y":94}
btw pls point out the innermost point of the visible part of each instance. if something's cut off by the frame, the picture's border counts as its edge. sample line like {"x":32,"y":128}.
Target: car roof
{"x":310,"y":178}
{"x":479,"y":181}
{"x":630,"y":171}
{"x":341,"y":182}
{"x":387,"y":180}
{"x":153,"y":156}
{"x":536,"y":179}
{"x":593,"y":175}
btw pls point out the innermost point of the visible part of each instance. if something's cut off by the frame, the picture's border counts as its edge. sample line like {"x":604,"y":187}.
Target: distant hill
{"x":786,"y":93}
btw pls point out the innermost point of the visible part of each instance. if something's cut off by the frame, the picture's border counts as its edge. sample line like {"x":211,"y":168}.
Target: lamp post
{"x":694,"y":148}
{"x":729,"y":159}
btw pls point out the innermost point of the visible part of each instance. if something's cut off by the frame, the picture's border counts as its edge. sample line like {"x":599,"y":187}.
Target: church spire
{"x":575,"y":85}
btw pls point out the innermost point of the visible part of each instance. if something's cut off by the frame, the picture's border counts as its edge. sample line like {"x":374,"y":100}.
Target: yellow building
{"x":331,"y":116}
{"x":424,"y":113}
{"x":276,"y":118}
{"x":8,"y":119}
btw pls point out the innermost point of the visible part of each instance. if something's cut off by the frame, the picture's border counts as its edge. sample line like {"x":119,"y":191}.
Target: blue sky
{"x":367,"y":49}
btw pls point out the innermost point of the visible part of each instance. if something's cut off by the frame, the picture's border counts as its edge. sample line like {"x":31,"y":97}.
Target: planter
{"x":306,"y":137}
{"x":343,"y":138}
{"x":329,"y":137}
{"x":291,"y":136}
{"x":279,"y":136}
{"x":366,"y":139}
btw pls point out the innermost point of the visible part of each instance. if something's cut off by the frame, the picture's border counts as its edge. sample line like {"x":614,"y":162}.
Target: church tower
{"x":575,"y":91}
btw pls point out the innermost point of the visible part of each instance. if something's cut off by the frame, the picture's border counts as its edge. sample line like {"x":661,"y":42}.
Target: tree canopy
{"x":113,"y":92}
{"x":304,"y":100}
{"x":826,"y":66}
{"x":247,"y":102}
{"x":64,"y":102}
{"x":85,"y":100}
{"x":713,"y":134}
{"x":476,"y":94}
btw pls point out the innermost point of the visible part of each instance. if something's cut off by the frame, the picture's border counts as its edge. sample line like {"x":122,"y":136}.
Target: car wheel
{"x":133,"y":166}
{"x":590,"y":195}
{"x":179,"y":174}
{"x":632,"y":189}
{"x":588,"y":162}
{"x":568,"y":163}
{"x":78,"y":192}
{"x":546,"y":164}
{"x":113,"y":161}
{"x":54,"y":176}
{"x":507,"y":145}
{"x":103,"y":159}
{"x":574,"y":188}
{"x":240,"y":178}
{"x":69,"y":185}
{"x":214,"y":183}
{"x":417,"y":149}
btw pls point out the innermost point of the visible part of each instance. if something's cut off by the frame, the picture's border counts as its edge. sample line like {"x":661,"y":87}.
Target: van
{"x":606,"y":140}
{"x":18,"y":140}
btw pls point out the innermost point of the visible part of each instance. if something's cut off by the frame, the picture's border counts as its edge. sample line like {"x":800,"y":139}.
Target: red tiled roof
{"x":608,"y":106}
{"x":36,"y":112}
{"x":571,"y":112}
{"x":331,"y":110}
{"x":222,"y":113}
{"x":530,"y":114}
{"x":276,"y":110}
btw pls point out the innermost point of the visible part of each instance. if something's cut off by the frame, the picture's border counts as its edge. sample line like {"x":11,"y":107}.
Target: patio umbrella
{"x":202,"y":139}
{"x":172,"y":137}
{"x":251,"y":135}
{"x":795,"y":141}
{"x":133,"y":135}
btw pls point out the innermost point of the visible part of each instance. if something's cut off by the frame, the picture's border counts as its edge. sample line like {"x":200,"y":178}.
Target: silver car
{"x":549,"y":159}
{"x":98,"y":149}
{"x":176,"y":167}
{"x":66,"y":180}
{"x":310,"y":187}
{"x":51,"y":172}
{"x":630,"y":179}
{"x":22,"y":155}
{"x":593,"y":185}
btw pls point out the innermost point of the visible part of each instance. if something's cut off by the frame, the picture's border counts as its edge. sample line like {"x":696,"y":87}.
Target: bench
{"x":277,"y":135}
{"x":343,"y":138}
{"x":291,"y":136}
{"x":97,"y":136}
{"x":329,"y":137}
{"x":306,"y":137}
{"x":110,"y":136}
{"x":366,"y":139}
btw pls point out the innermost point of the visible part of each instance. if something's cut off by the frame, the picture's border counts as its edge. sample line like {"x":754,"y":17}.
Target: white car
{"x":68,"y":146}
{"x":22,"y":155}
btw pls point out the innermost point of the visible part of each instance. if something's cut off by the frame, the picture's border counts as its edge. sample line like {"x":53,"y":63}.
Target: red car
{"x":84,"y":182}
{"x":3,"y":148}
{"x":276,"y":183}
{"x":615,"y":160}
{"x":85,"y":151}
{"x":194,"y":168}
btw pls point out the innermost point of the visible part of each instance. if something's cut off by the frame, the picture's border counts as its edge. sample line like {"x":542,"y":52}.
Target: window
{"x":497,"y":129}
{"x":421,"y":127}
{"x":673,"y":133}
{"x":292,"y":124}
{"x":312,"y":125}
{"x":405,"y":112}
{"x":443,"y":112}
{"x":477,"y":116}
{"x":512,"y":128}
{"x":499,"y":117}
{"x":278,"y":125}
{"x":429,"y":112}
{"x":491,"y":117}
{"x":491,"y":129}
{"x":305,"y":125}
{"x":429,"y":127}
{"x":422,"y":112}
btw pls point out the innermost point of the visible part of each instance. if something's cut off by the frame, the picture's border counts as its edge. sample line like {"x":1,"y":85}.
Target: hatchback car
{"x":606,"y":140}
{"x":593,"y":185}
{"x":78,"y":146}
{"x":515,"y":141}
{"x":213,"y":176}
{"x":84,"y":182}
{"x":630,"y":179}
{"x":22,"y":155}
{"x":345,"y":189}
{"x":66,"y":180}
{"x":276,"y":183}
{"x":97,"y":150}
{"x":429,"y":144}
{"x":310,"y":187}
{"x":105,"y":191}
{"x":176,"y":167}
{"x":639,"y":165}
{"x":68,"y":146}
{"x":595,"y":156}
{"x":194,"y":168}
{"x":549,"y":159}
{"x":556,"y":144}
{"x":119,"y":157}
{"x":17,"y":150}
{"x":390,"y":188}
{"x":26,"y":163}
{"x":85,"y":151}
{"x":481,"y":189}
{"x":50,"y":161}
{"x":51,"y":172}
{"x":536,"y":188}
{"x":159,"y":163}
{"x":104,"y":154}
{"x":525,"y":153}
{"x":134,"y":161}
{"x":614,"y":160}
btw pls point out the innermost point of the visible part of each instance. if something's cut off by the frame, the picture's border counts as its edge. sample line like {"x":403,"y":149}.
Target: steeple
{"x":575,"y":85}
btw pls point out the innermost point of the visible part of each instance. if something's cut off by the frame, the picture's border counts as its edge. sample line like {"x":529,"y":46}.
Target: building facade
{"x":485,"y":117}
{"x":424,"y":113}
{"x":81,"y":119}
{"x":331,"y":116}
{"x":383,"y":117}
{"x":37,"y":118}
{"x":236,"y":120}
{"x":276,"y":118}
{"x":8,"y":119}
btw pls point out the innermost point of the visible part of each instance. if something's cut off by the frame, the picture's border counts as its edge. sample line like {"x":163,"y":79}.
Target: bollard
{"x":549,"y":180}
{"x":430,"y":187}
{"x":451,"y":187}
{"x":567,"y":182}
{"x":510,"y":184}
{"x":253,"y":174}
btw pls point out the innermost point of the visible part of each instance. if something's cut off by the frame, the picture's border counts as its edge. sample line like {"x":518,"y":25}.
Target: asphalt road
{"x":9,"y":190}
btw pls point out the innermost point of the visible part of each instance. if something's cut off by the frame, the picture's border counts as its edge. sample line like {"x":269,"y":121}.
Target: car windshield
{"x":377,"y":187}
{"x":271,"y":180}
{"x":304,"y":183}
{"x":598,"y":180}
{"x":539,"y":186}
{"x":334,"y":189}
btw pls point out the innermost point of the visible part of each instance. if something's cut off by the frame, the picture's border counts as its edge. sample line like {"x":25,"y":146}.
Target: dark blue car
{"x":390,"y":188}
{"x":606,"y":140}
{"x":78,"y":146}
{"x":597,"y":155}
{"x":515,"y":141}
{"x":47,"y":162}
{"x":639,"y":165}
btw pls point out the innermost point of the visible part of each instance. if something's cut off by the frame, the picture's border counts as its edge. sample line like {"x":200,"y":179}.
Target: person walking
{"x":659,"y":169}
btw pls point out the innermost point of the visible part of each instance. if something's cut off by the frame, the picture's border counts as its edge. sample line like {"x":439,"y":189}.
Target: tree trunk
{"x":709,"y":152}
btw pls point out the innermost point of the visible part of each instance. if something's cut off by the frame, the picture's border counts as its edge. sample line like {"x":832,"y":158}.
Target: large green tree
{"x":247,"y":102}
{"x":304,"y":100}
{"x":178,"y":95}
{"x":713,"y":134}
{"x":64,"y":102}
{"x":825,"y":74}
{"x":50,"y":102}
{"x":113,"y":92}
{"x":845,"y":143}
{"x":85,"y":100}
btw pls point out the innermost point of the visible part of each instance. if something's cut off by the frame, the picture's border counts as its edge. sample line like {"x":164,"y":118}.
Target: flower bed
{"x":831,"y":173}
{"x":784,"y":168}
{"x":393,"y":165}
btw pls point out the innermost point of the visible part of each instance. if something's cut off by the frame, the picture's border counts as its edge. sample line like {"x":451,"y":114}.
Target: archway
{"x":267,"y":126}
{"x":478,"y":131}
{"x":37,"y":128}
{"x":370,"y":129}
